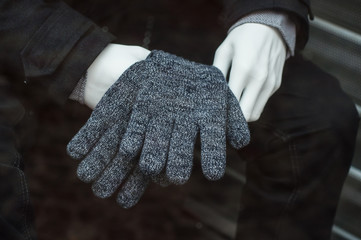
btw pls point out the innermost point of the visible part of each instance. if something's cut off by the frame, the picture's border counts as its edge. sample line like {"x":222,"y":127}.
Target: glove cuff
{"x":179,"y":66}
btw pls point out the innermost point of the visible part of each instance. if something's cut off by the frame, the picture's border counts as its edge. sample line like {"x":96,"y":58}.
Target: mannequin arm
{"x":255,"y":54}
{"x":105,"y":70}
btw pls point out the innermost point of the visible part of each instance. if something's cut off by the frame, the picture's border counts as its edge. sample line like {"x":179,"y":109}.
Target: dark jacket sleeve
{"x":298,"y":10}
{"x":47,"y":45}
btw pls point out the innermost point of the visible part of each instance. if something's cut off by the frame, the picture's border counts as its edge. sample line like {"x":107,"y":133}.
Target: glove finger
{"x":85,"y":139}
{"x":213,"y":146}
{"x":112,"y":176}
{"x":129,"y":148}
{"x":110,"y":109}
{"x":114,"y":106}
{"x":237,"y":128}
{"x":155,"y":148}
{"x":161,"y":179}
{"x":238,"y":79}
{"x":180,"y":157}
{"x":96,"y":161}
{"x":133,"y":189}
{"x":133,"y":138}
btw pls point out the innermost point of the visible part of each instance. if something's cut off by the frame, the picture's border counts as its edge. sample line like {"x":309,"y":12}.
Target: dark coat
{"x":50,"y":45}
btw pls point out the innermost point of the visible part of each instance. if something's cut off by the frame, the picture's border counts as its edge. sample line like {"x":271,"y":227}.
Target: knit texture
{"x":146,"y":124}
{"x":78,"y":92}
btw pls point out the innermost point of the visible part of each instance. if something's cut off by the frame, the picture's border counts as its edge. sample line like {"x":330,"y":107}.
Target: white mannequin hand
{"x":256,"y":54}
{"x":108,"y":67}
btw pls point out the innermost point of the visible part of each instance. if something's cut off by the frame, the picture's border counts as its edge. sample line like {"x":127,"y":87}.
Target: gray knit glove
{"x":173,"y":100}
{"x":179,"y":99}
{"x":97,"y":142}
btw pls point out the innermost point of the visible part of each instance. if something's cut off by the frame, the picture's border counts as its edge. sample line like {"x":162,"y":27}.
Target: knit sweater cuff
{"x":78,"y":92}
{"x":277,"y":20}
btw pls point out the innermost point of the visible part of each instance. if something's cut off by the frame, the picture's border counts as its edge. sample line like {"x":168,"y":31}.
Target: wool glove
{"x":96,"y":143}
{"x":179,"y":99}
{"x":159,"y":104}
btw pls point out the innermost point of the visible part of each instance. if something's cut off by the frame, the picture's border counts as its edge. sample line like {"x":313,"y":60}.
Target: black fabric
{"x":16,"y":218}
{"x":48,"y":45}
{"x":299,"y":156}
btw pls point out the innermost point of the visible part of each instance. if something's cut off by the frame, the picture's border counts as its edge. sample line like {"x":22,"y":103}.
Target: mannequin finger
{"x":250,"y":97}
{"x":133,"y":189}
{"x":180,"y":157}
{"x":112,"y":177}
{"x":277,"y":84}
{"x":155,"y":148}
{"x":264,"y":95}
{"x":96,"y":161}
{"x":278,"y":73}
{"x":238,"y":79}
{"x":223,"y":58}
{"x":213,"y":148}
{"x":238,"y":134}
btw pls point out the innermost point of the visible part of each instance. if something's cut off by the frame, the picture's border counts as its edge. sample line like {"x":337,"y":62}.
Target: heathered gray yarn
{"x":238,"y":134}
{"x":179,"y":99}
{"x":98,"y":140}
{"x":158,"y":106}
{"x":113,"y":109}
{"x":133,"y":189}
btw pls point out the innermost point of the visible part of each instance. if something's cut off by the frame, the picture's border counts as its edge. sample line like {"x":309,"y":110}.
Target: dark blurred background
{"x":65,"y":208}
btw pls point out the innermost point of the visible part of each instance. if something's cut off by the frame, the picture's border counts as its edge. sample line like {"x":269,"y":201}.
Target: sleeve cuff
{"x":61,"y":50}
{"x":78,"y":93}
{"x":274,"y":19}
